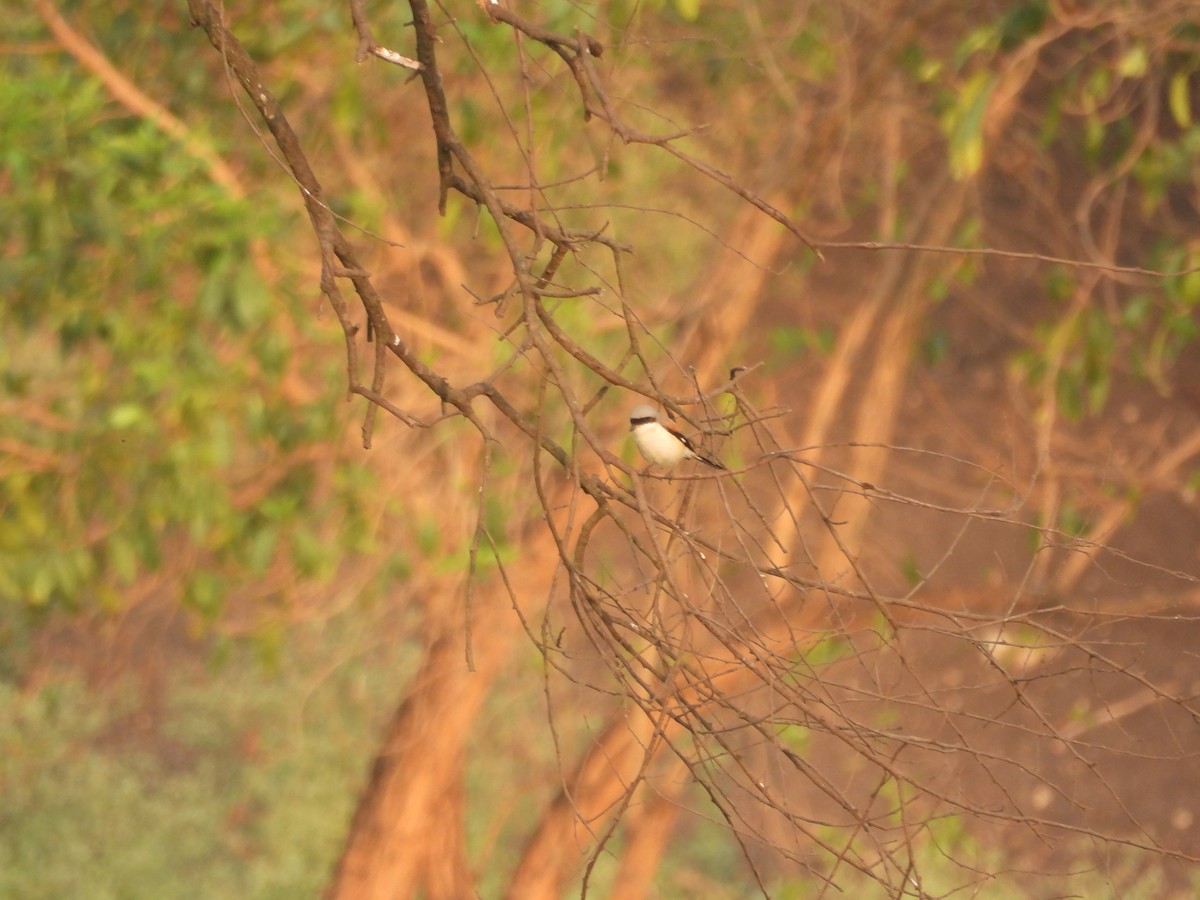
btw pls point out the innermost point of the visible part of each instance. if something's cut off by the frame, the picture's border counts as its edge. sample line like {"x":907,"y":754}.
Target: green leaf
{"x":206,"y":594}
{"x":251,"y":299}
{"x":1072,"y":520}
{"x":260,"y":549}
{"x":122,"y":558}
{"x":1179,"y":100}
{"x":1021,"y":22}
{"x":1137,"y":310}
{"x":689,"y":10}
{"x":1192,"y":483}
{"x":1134,"y":63}
{"x":795,"y":737}
{"x":963,"y":124}
{"x":911,"y":571}
{"x":936,"y":346}
{"x":794,"y":341}
{"x":126,"y":415}
{"x":41,"y":586}
{"x":829,"y":650}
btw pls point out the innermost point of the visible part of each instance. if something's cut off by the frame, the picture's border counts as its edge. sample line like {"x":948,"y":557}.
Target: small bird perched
{"x":660,"y":445}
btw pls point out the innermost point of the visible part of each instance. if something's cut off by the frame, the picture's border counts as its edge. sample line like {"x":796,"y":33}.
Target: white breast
{"x":657,"y":445}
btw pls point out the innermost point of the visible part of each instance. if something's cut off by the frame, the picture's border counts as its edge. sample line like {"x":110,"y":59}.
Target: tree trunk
{"x":407,"y":835}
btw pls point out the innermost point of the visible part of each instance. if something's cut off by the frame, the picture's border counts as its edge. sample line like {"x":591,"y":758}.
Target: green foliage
{"x":1179,"y":99}
{"x":827,"y":650}
{"x":1192,"y":483}
{"x":1094,"y":115}
{"x":689,"y":10}
{"x":241,"y":786}
{"x":1085,"y":381}
{"x":911,"y":570}
{"x":975,"y":68}
{"x":1020,"y":22}
{"x":963,"y":123}
{"x":947,"y":860}
{"x":935,"y":346}
{"x":790,"y":342}
{"x":141,"y":361}
{"x":1084,"y":347}
{"x":1072,"y":520}
{"x":795,"y":737}
{"x":707,"y":861}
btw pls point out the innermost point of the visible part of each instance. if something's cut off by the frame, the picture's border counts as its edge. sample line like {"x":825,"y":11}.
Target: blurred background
{"x":213,"y":599}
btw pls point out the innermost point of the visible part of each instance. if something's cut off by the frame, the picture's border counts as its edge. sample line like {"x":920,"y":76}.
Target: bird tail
{"x":709,"y":461}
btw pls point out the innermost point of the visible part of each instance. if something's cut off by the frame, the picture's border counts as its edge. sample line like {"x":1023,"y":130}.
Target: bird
{"x":661,"y":445}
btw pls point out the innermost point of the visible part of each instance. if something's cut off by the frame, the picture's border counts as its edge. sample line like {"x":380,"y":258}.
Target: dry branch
{"x":708,"y":622}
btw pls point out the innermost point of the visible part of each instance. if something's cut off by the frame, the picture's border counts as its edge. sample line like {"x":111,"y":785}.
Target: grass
{"x":241,"y":787}
{"x":242,"y":782}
